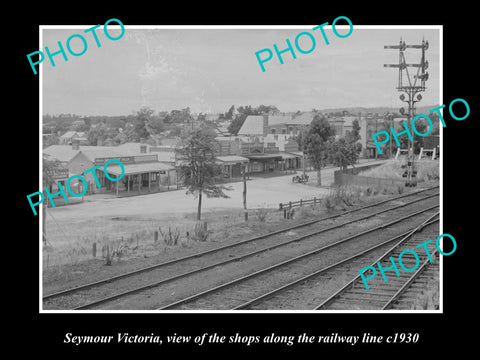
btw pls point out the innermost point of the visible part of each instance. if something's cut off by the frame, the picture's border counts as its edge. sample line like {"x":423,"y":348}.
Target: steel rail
{"x":320,"y":271}
{"x":382,"y":257}
{"x":288,"y":261}
{"x":237,"y":258}
{"x":405,"y":286}
{"x":227,"y":246}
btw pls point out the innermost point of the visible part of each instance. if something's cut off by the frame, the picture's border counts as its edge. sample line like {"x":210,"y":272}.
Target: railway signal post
{"x":410,"y":85}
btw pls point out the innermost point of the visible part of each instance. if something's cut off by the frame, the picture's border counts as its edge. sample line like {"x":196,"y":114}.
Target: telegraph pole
{"x":303,"y":150}
{"x":244,"y":175}
{"x":410,"y":92}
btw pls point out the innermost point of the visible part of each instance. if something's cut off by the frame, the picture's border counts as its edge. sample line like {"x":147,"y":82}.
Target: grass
{"x":428,"y":300}
{"x":129,"y":237}
{"x":426,"y":170}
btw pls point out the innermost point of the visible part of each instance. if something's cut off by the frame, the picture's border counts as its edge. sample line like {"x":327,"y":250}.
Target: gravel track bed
{"x":234,"y":269}
{"x":164,"y":294}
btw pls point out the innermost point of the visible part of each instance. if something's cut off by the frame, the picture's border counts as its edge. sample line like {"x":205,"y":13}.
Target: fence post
{"x":155,"y":236}
{"x":285,"y":213}
{"x":300,"y":202}
{"x":94,"y":249}
{"x":290,"y":204}
{"x":314,"y":201}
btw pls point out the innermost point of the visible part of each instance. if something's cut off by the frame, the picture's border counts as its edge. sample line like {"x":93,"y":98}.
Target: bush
{"x":110,"y":250}
{"x":170,"y":238}
{"x":329,"y":203}
{"x":201,"y":232}
{"x":261,"y":214}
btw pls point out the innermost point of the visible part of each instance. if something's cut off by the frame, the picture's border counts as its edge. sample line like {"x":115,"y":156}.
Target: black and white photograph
{"x":230,"y":179}
{"x":242,"y":168}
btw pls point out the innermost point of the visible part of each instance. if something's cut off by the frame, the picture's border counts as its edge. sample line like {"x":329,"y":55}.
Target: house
{"x":143,"y":172}
{"x":69,"y":136}
{"x":259,"y":153}
{"x":279,"y":124}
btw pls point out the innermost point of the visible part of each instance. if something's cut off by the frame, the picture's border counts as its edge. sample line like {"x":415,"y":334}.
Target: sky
{"x":209,"y":70}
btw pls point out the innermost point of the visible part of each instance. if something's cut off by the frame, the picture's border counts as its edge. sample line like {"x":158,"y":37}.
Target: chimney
{"x":143,"y":149}
{"x":265,"y":125}
{"x":75,"y":144}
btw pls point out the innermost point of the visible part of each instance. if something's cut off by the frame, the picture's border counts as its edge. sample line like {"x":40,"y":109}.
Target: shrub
{"x":200,"y":233}
{"x":170,"y":238}
{"x":113,"y":249}
{"x":261,"y":214}
{"x":329,"y":203}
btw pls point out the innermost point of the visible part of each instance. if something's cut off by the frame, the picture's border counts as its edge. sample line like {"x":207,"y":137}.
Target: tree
{"x":244,"y":111}
{"x":51,"y":139}
{"x":342,"y":153}
{"x":175,"y":130}
{"x":421,"y":126}
{"x":352,"y":137}
{"x":197,"y":167}
{"x":267,"y":109}
{"x":236,"y":124}
{"x":316,"y":143}
{"x":50,"y":167}
{"x":140,"y":125}
{"x":229,"y":113}
{"x":180,"y":116}
{"x":98,"y":132}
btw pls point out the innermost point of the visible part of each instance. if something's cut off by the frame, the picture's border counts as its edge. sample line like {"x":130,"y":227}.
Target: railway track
{"x":113,"y":288}
{"x":422,"y":289}
{"x":231,"y":295}
{"x":384,"y":295}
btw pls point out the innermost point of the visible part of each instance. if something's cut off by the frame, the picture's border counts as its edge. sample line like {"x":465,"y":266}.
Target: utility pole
{"x":303,"y":150}
{"x":410,"y":93}
{"x":244,"y":173}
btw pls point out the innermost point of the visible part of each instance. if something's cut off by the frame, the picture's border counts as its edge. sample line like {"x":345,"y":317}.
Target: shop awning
{"x":297,"y":153}
{"x":231,"y":159}
{"x":132,"y":169}
{"x":264,"y":156}
{"x":286,"y":155}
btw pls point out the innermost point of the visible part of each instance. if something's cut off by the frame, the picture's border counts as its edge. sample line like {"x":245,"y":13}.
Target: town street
{"x":261,"y":192}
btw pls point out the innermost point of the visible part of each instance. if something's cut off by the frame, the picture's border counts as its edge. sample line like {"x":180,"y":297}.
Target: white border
{"x":241,"y":27}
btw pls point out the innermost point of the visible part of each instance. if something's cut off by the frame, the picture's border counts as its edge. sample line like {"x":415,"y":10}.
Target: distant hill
{"x":380,"y":110}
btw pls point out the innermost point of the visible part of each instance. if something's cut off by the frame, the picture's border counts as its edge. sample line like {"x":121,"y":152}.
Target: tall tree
{"x":244,"y":111}
{"x":96,"y":133}
{"x":421,"y":126}
{"x":316,"y":143}
{"x":140,"y":125}
{"x":229,"y":113}
{"x":342,"y":153}
{"x":352,"y":137}
{"x":197,"y":168}
{"x":50,"y":167}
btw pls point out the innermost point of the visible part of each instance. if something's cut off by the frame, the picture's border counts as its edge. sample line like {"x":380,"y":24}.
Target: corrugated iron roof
{"x":63,"y":153}
{"x":303,"y":119}
{"x":231,"y":158}
{"x":279,"y":119}
{"x":131,"y":169}
{"x":253,"y":125}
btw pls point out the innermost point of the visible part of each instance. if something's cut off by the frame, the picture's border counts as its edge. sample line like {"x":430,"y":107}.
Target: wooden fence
{"x":293,"y":204}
